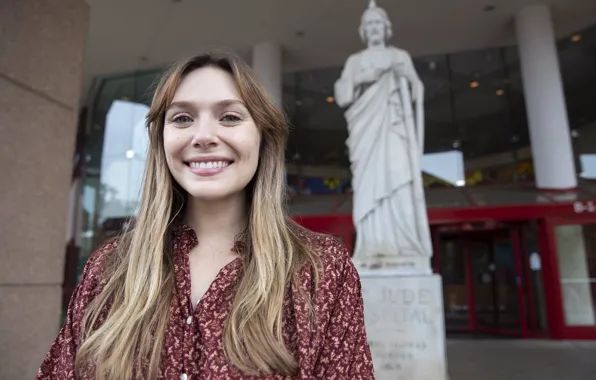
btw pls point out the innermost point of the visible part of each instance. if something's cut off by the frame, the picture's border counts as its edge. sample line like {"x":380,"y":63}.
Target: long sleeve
{"x":345,"y":352}
{"x":59,"y":362}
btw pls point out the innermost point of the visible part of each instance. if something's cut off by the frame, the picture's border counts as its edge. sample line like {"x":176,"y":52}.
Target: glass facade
{"x":475,"y":123}
{"x":114,"y":153}
{"x":578,"y":60}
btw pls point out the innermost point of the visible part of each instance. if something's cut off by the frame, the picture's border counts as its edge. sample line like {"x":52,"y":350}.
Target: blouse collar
{"x":184,"y":239}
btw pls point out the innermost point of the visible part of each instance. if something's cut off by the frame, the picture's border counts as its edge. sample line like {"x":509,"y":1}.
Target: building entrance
{"x":488,"y":286}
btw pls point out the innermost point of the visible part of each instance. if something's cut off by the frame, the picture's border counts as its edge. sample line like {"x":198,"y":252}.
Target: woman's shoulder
{"x":338,"y":279}
{"x":335,"y":259}
{"x":95,"y":263}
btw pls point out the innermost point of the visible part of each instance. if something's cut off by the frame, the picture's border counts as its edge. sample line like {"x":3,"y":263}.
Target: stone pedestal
{"x":405,"y":325}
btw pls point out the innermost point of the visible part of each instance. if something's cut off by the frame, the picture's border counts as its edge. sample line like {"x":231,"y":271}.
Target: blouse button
{"x":189,"y":320}
{"x":183,"y":377}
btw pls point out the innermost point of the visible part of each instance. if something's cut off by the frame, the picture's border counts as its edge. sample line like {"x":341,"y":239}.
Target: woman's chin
{"x":214,"y":195}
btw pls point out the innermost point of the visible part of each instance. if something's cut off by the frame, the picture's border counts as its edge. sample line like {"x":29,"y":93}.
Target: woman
{"x":214,"y":281}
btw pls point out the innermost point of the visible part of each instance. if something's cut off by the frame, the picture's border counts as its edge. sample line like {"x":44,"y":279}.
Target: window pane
{"x":577,"y":61}
{"x":576,"y":248}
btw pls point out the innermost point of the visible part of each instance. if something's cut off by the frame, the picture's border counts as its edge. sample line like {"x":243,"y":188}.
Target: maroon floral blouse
{"x":334,"y":348}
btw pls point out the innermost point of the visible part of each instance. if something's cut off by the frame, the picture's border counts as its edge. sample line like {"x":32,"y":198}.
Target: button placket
{"x":196,"y":337}
{"x":188,"y":345}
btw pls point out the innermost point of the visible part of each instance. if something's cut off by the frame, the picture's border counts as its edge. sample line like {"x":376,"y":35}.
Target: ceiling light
{"x":330,"y":99}
{"x":474,"y":84}
{"x":130,"y":154}
{"x":576,"y":37}
{"x":500,"y":92}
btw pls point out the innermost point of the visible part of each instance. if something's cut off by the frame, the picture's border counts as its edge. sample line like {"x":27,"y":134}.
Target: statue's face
{"x":374,"y":27}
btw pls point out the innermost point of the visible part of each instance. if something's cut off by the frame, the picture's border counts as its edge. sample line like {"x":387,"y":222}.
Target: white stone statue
{"x":386,"y":132}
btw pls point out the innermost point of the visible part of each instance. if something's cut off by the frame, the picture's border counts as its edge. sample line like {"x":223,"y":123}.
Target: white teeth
{"x":209,"y":165}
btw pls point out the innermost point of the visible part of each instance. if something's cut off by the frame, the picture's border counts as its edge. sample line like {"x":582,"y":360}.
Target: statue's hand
{"x":367,"y":76}
{"x":399,"y":69}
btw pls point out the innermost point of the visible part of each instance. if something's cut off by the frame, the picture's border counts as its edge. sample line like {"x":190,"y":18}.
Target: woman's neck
{"x":222,"y":219}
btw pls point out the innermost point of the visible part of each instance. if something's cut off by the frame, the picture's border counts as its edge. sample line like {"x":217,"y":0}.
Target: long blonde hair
{"x":123,"y":329}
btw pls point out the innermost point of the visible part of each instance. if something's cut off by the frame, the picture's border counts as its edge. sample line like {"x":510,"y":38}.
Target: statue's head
{"x":375,"y":25}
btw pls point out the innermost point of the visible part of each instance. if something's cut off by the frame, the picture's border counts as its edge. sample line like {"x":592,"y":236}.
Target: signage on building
{"x":581,"y":207}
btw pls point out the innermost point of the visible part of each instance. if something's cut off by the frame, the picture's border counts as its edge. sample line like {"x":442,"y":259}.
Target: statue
{"x":385,"y":143}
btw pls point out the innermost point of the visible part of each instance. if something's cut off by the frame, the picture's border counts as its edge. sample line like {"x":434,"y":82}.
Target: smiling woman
{"x":214,"y":280}
{"x":210,"y":140}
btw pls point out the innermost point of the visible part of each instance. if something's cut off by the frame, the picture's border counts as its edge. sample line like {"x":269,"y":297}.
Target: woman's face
{"x":211,"y":142}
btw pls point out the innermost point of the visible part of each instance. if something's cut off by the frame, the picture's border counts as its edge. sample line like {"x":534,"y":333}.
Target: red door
{"x":484,"y":281}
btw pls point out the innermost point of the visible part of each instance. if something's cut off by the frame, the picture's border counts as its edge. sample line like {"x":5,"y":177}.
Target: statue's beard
{"x":376,"y":38}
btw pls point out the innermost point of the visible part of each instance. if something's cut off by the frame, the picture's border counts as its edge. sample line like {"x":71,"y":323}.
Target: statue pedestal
{"x":405,"y":325}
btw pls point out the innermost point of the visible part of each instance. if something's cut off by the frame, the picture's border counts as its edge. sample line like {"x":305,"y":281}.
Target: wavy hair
{"x":123,"y":329}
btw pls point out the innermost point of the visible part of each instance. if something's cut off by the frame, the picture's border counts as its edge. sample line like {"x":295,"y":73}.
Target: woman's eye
{"x":181,"y":119}
{"x":231,"y":118}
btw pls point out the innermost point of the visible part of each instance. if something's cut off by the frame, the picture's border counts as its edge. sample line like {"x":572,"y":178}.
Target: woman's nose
{"x":205,"y":135}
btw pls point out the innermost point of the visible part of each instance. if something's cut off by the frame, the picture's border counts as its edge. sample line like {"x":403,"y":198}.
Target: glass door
{"x":496,"y":282}
{"x":482,"y":281}
{"x":452,"y":267}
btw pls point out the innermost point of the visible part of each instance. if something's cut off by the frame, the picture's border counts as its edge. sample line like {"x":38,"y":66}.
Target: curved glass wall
{"x":114,"y":156}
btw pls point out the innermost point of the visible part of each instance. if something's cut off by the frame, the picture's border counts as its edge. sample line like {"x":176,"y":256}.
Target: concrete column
{"x":267,"y":65}
{"x":545,"y":103}
{"x":41,"y":57}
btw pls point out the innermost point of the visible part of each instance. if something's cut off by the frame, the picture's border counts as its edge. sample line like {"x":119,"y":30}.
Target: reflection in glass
{"x":576,"y":250}
{"x":588,"y":164}
{"x":115,"y":164}
{"x":577,"y":62}
{"x":123,"y":159}
{"x":495,"y":283}
{"x":455,"y":296}
{"x":445,"y":166}
{"x":474,"y":134}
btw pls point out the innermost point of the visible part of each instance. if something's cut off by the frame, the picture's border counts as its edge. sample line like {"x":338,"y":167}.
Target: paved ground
{"x":476,"y":359}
